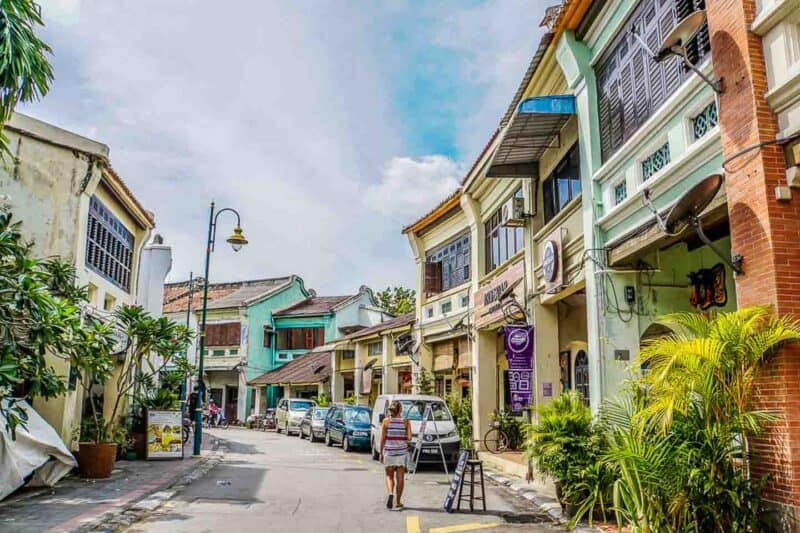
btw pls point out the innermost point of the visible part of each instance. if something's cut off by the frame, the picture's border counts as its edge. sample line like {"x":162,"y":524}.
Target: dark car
{"x":313,"y":424}
{"x":348,"y":425}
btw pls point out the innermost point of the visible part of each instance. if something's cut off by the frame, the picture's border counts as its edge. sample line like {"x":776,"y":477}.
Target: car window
{"x":414,"y":410}
{"x":301,"y":405}
{"x":357,"y":416}
{"x":319,"y":414}
{"x":308,"y":415}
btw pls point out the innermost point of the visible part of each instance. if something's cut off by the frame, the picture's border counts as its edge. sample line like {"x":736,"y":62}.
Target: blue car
{"x":348,"y":425}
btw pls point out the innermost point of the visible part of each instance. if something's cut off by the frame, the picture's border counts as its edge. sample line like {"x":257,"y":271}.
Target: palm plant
{"x":25,"y":72}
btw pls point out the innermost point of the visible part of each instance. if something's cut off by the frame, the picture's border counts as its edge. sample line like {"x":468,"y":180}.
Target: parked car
{"x":440,"y":429}
{"x":313,"y":424}
{"x":290,"y":412}
{"x":268,"y":422}
{"x":348,"y":425}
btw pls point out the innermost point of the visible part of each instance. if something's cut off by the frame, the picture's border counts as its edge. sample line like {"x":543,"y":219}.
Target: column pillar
{"x":765,"y":232}
{"x":484,"y":383}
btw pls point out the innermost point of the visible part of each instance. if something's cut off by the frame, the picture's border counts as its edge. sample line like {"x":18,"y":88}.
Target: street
{"x":271,"y":482}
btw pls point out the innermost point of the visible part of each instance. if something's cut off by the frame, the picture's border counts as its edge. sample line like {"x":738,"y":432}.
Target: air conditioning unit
{"x":512,"y":213}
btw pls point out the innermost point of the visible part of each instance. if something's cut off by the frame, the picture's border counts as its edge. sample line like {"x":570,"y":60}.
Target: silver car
{"x":313,"y":424}
{"x":290,"y":413}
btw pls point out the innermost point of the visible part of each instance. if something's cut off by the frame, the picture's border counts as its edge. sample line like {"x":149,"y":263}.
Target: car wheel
{"x":328,"y":441}
{"x":346,"y":445}
{"x":311,"y":436}
{"x":277,"y":428}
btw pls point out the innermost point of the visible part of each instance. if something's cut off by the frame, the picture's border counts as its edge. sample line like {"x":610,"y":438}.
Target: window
{"x":375,"y":348}
{"x":429,"y":311}
{"x":620,"y":192}
{"x":109,"y":245}
{"x":443,"y":386}
{"x":501,"y":242}
{"x":348,"y":354}
{"x":205,"y":352}
{"x":109,"y":302}
{"x":218,"y":353}
{"x":564,"y":184}
{"x":582,"y":375}
{"x":465,"y":300}
{"x":655,"y":162}
{"x":704,"y":121}
{"x":300,"y":338}
{"x":283,"y":356}
{"x":233,"y":351}
{"x":452,"y":260}
{"x":447,"y":306}
{"x":267,"y":336}
{"x":631,"y":85}
{"x":228,"y":334}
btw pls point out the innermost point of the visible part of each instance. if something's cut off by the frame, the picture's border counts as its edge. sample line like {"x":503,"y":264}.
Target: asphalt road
{"x":271,"y":482}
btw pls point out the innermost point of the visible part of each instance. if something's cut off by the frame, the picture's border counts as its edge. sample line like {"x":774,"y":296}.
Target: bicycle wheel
{"x":495,"y":441}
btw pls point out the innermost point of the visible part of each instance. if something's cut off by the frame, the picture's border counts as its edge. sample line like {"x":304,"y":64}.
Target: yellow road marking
{"x":412,"y":524}
{"x":461,"y":527}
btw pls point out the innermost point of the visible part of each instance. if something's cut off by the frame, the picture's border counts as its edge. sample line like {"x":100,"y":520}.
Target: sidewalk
{"x":77,"y":504}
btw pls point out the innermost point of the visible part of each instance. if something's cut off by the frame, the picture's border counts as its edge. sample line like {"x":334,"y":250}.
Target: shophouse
{"x":374,"y":360}
{"x":238,"y":318}
{"x":648,"y":133}
{"x":442,"y":245}
{"x":75,"y":206}
{"x":310,"y":323}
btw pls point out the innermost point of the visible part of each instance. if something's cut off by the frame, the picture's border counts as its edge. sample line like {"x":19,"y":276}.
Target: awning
{"x":370,"y":363}
{"x":443,"y":362}
{"x":537,"y":122}
{"x":308,"y":368}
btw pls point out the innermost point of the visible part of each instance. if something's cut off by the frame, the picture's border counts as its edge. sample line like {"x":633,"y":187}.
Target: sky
{"x":328,"y":125}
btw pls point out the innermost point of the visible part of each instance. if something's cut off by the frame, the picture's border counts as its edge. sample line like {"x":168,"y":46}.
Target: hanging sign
{"x":458,"y":479}
{"x":164,"y":435}
{"x":519,"y":352}
{"x":488,"y":300}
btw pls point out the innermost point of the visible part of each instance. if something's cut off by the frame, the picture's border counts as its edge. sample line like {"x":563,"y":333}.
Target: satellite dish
{"x":692,"y":204}
{"x":683,"y":32}
{"x":687,"y":211}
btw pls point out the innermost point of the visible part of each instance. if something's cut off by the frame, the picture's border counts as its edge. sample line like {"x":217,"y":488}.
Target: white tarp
{"x":38,"y":455}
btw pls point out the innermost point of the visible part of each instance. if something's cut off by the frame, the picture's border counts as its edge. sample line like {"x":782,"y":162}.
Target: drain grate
{"x":523,"y":518}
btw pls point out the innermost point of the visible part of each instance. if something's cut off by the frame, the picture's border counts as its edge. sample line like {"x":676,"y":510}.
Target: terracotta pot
{"x":95,"y":461}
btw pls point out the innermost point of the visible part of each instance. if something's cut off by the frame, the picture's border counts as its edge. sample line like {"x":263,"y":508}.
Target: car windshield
{"x":300,"y":405}
{"x":357,"y":416}
{"x":414,"y":409}
{"x":319,"y":414}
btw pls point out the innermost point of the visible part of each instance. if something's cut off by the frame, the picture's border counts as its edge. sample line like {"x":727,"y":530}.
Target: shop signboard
{"x":458,"y":480}
{"x":164,"y":434}
{"x":519,"y":352}
{"x":553,"y":261}
{"x":489,"y":302}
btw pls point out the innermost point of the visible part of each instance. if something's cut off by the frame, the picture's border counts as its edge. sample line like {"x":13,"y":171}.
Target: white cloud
{"x":411,"y":186}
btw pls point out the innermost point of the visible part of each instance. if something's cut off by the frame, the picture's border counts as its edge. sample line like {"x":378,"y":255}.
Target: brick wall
{"x":766,"y":232}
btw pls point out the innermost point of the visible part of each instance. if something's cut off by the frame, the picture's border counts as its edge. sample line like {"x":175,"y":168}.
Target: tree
{"x":155,"y":345}
{"x":397,"y":300}
{"x":25,"y":72}
{"x":424,"y":382}
{"x":40,"y":314}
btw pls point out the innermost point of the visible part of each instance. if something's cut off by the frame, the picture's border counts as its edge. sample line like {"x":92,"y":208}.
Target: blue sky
{"x":328,"y":124}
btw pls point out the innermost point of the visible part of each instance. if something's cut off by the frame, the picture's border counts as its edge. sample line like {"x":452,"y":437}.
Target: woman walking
{"x":395,"y":436}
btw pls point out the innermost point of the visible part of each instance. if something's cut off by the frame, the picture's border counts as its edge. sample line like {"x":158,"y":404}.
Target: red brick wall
{"x":766,"y":232}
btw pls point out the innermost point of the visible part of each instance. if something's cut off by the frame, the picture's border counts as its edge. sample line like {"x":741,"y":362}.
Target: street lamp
{"x":236,"y":240}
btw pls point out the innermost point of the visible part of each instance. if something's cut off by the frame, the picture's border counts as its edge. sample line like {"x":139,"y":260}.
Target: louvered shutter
{"x":433,"y":277}
{"x":671,"y":67}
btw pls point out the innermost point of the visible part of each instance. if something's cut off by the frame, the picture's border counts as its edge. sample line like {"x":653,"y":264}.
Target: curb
{"x":125,"y":515}
{"x":544,"y":505}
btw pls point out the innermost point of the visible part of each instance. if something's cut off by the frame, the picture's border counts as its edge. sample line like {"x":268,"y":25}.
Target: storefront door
{"x":582,"y":375}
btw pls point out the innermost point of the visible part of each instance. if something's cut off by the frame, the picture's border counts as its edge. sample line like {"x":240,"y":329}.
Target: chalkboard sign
{"x":458,"y":479}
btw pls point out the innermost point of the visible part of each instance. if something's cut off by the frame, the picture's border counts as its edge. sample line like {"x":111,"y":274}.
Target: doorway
{"x":231,"y":403}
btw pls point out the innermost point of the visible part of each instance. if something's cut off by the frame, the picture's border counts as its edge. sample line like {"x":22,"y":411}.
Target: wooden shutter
{"x":433,"y":277}
{"x":223,"y":334}
{"x":320,"y":337}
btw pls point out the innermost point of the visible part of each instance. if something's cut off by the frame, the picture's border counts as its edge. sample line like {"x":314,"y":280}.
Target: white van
{"x":413,"y":408}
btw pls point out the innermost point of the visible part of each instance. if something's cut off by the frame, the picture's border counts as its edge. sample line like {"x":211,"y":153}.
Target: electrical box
{"x":630,"y":294}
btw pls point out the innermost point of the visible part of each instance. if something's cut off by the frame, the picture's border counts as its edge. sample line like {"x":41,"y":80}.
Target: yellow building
{"x":368,"y":362}
{"x":73,"y":205}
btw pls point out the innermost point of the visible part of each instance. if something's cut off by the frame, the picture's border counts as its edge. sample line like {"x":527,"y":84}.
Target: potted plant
{"x":154,"y":343}
{"x":559,"y":439}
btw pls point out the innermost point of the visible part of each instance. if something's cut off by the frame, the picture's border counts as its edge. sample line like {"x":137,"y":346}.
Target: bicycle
{"x":495,"y":439}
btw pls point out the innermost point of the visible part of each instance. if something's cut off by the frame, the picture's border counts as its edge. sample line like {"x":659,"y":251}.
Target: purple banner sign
{"x":519,"y":352}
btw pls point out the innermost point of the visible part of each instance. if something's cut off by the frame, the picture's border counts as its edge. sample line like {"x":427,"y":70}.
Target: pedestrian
{"x":395,"y":437}
{"x":193,"y":398}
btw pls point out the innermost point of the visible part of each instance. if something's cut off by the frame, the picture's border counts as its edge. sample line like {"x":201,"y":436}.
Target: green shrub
{"x":461,"y":409}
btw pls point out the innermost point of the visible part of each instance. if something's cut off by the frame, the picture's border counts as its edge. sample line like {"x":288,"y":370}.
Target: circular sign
{"x":518,"y":339}
{"x":550,"y":262}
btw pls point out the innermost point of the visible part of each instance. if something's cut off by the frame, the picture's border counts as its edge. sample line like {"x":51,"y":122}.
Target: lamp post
{"x":236,"y":240}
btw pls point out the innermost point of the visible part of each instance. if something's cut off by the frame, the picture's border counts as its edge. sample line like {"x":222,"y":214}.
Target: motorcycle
{"x":210,"y":422}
